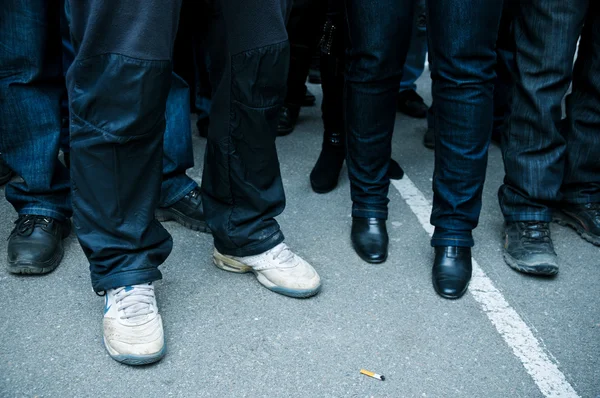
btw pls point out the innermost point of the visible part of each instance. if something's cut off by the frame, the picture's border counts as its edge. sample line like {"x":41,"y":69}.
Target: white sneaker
{"x":278,"y":269}
{"x":133,"y":330}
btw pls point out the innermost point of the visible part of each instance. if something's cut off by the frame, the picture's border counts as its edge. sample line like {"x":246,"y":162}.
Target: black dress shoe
{"x":309,"y":98}
{"x":288,"y":117}
{"x":410,"y":103}
{"x":370,"y":239}
{"x":187,"y":212}
{"x":35,"y":244}
{"x":395,"y":172}
{"x":5,"y":172}
{"x":451,"y":271}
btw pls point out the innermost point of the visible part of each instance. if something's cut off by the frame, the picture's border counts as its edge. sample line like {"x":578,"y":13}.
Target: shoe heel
{"x":229,"y":264}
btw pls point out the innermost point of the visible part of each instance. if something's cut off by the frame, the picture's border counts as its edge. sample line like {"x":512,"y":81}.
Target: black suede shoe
{"x":288,"y":117}
{"x":410,"y":103}
{"x":187,"y":212}
{"x":5,"y":172}
{"x":451,"y":271}
{"x":528,"y":248}
{"x":370,"y":239}
{"x":429,"y":138}
{"x":395,"y":172}
{"x":585,"y":219}
{"x":309,"y":98}
{"x":324,"y":176}
{"x":35,"y":244}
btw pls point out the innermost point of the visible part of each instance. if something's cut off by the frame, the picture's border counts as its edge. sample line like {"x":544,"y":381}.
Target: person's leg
{"x":31,"y":84}
{"x":409,"y":102}
{"x":533,"y":147}
{"x":375,"y":57}
{"x":463,"y":58}
{"x":581,"y":183}
{"x":304,"y":29}
{"x":118,"y":88}
{"x":241,"y":185}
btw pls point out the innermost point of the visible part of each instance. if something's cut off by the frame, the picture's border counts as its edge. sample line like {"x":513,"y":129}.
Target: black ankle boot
{"x":324,"y":176}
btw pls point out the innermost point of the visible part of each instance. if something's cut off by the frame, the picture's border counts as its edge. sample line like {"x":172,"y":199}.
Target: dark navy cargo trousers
{"x":118,"y":87}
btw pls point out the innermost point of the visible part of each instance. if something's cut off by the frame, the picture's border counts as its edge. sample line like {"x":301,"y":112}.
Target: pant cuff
{"x":370,"y":213}
{"x":37,"y":211}
{"x":545,"y":216}
{"x":253,"y":249}
{"x":126,"y":278}
{"x":186,"y":185}
{"x":445,"y":237}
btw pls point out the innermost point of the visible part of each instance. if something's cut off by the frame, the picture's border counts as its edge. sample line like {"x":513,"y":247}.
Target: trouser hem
{"x":253,"y":249}
{"x":126,"y":278}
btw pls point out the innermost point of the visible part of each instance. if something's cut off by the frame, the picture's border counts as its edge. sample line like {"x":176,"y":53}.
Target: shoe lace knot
{"x":25,"y":224}
{"x":535,"y":232}
{"x":135,"y":301}
{"x":283,"y":254}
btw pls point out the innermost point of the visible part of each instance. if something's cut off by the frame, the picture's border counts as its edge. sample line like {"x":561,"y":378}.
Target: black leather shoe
{"x":288,"y":117}
{"x":451,"y":271}
{"x":585,"y":219}
{"x":410,"y":103}
{"x":528,"y":248}
{"x":187,"y":212}
{"x":309,"y":98}
{"x":5,"y":172}
{"x":35,"y":244}
{"x":370,"y":239}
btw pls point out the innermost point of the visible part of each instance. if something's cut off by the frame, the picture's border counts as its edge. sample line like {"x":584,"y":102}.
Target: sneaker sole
{"x":231,"y":265}
{"x":135,"y":360}
{"x":566,"y":220}
{"x":40,"y":268}
{"x":533,"y":269}
{"x":188,"y":222}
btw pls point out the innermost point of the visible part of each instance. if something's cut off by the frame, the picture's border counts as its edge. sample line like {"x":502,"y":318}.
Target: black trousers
{"x":118,"y":86}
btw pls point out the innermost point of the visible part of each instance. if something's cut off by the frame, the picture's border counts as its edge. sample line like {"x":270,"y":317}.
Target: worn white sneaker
{"x":133,"y":330}
{"x":278,"y":269}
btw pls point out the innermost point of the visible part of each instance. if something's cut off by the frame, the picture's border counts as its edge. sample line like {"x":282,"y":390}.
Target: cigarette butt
{"x":373,"y":375}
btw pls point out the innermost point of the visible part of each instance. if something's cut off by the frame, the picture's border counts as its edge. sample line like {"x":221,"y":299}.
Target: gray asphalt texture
{"x":228,"y":336}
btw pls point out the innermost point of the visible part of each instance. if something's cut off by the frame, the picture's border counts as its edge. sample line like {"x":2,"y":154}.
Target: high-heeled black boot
{"x":324,"y":176}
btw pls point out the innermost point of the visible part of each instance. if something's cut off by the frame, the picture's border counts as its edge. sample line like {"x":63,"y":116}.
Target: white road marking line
{"x":515,"y":332}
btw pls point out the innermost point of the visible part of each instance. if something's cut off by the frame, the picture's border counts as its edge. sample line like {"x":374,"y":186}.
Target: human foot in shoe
{"x":324,"y":176}
{"x":35,"y":245}
{"x":528,"y":248}
{"x":133,"y":329}
{"x":410,"y":103}
{"x":370,"y":239}
{"x":451,"y":272}
{"x":288,"y":116}
{"x":278,"y":269}
{"x":187,"y":212}
{"x":585,"y":219}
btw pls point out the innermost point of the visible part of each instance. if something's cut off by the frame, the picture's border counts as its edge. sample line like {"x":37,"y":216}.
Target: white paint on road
{"x":515,"y":332}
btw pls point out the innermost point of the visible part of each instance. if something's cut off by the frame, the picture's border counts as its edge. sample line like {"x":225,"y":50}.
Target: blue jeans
{"x":31,"y":88}
{"x":374,"y":60}
{"x":463,"y":60}
{"x":415,"y":59}
{"x":547,"y":161}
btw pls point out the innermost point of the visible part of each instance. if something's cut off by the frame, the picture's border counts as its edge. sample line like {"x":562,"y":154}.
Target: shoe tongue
{"x":136,"y":301}
{"x":536,"y":230}
{"x":282,"y":253}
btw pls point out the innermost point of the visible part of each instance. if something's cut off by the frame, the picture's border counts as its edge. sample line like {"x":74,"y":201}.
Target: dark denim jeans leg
{"x":31,"y":85}
{"x":533,"y":147}
{"x":463,"y":58}
{"x":178,"y":152}
{"x":415,"y":59}
{"x":375,"y":58}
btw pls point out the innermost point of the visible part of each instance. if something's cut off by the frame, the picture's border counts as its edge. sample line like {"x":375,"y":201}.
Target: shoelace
{"x":535,"y":232}
{"x":135,"y":300}
{"x":595,"y":208}
{"x":27,"y":223}
{"x":283,"y":253}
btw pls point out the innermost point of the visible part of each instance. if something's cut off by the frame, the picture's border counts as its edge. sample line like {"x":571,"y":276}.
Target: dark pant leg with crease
{"x":463,"y":60}
{"x":375,"y":59}
{"x":241,"y":184}
{"x":533,"y":147}
{"x":118,"y":87}
{"x":31,"y":86}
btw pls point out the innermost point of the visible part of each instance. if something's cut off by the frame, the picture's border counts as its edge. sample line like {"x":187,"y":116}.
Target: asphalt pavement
{"x":228,"y":336}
